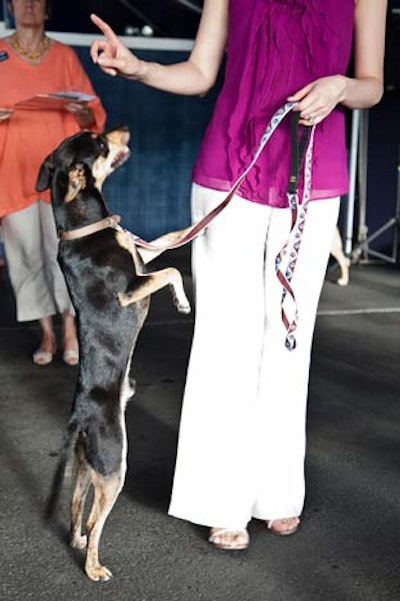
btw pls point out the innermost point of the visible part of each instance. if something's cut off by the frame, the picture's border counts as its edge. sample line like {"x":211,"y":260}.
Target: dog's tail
{"x":66,"y":452}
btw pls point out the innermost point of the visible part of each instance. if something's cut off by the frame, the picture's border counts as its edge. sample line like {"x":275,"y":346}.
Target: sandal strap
{"x":240,"y":533}
{"x":222,"y":531}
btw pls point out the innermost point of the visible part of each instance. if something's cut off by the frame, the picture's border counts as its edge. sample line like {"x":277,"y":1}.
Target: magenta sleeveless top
{"x":275,"y":47}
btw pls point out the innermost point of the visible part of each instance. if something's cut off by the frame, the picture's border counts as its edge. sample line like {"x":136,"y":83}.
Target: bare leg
{"x":44,"y":354}
{"x":343,"y":261}
{"x":70,"y":341}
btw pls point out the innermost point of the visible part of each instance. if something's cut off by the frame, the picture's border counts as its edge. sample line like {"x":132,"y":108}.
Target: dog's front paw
{"x":180,"y":299}
{"x":98,"y":573}
{"x":131,"y":387}
{"x":124,"y":299}
{"x":183,"y":308}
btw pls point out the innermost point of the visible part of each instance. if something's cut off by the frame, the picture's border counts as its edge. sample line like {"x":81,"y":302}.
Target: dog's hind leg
{"x":82,"y":484}
{"x":106,"y":491}
{"x":155,"y":281}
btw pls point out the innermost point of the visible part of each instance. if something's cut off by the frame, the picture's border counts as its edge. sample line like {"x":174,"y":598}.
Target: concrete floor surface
{"x":347,"y":548}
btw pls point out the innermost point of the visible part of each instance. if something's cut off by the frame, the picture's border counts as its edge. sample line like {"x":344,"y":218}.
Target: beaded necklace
{"x":31,"y":55}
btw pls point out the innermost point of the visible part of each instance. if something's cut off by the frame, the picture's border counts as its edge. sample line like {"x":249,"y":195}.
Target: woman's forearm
{"x":361,"y":92}
{"x":185,"y":78}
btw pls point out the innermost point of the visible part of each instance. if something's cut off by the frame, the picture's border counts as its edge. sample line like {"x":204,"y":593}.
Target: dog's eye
{"x":103,"y":147}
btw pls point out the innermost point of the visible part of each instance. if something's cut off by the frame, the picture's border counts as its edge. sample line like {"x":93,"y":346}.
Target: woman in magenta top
{"x":271,"y":53}
{"x":242,"y":434}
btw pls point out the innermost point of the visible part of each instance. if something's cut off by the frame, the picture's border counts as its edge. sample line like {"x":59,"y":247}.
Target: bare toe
{"x":284,"y":526}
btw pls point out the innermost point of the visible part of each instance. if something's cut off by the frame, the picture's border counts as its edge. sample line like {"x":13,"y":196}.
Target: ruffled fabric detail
{"x":275,"y":48}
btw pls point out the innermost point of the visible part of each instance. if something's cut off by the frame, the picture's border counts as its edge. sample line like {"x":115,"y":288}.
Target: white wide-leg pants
{"x":242,"y":434}
{"x":31,"y":244}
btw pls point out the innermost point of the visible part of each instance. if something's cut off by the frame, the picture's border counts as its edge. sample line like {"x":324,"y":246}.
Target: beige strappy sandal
{"x":42,"y":357}
{"x":71,"y":357}
{"x":290,"y":526}
{"x":229,"y":539}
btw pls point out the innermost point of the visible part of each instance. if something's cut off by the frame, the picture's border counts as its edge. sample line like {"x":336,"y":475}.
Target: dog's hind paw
{"x":79,"y":542}
{"x":98,"y":573}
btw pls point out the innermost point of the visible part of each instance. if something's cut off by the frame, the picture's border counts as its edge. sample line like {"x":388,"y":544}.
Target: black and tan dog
{"x":110,"y":291}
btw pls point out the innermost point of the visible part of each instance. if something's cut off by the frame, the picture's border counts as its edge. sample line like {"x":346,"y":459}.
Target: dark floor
{"x":348,"y":546}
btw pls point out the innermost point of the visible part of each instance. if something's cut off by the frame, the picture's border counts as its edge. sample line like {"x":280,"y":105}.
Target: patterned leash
{"x":290,"y":251}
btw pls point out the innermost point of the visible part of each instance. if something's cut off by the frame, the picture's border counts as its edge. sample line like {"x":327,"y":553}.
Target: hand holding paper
{"x":5,"y":113}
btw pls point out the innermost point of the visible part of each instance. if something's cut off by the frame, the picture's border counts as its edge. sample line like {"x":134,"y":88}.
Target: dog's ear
{"x":45,"y":174}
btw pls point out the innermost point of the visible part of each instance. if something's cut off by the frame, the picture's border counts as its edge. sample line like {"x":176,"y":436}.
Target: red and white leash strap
{"x":188,"y":234}
{"x":286,"y":259}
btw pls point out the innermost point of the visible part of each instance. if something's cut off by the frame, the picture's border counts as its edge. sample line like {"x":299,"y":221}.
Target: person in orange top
{"x":31,"y":63}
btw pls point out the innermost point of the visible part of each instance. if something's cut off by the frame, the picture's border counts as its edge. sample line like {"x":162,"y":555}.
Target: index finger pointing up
{"x":104,"y":27}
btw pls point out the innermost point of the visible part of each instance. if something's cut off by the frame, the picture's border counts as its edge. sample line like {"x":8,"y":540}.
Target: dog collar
{"x":81,"y":232}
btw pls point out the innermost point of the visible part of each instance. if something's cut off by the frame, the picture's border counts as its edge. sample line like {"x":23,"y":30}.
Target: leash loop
{"x":286,"y":259}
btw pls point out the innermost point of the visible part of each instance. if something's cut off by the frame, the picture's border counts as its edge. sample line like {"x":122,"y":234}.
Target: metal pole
{"x":362,"y":178}
{"x":395,"y":247}
{"x":355,"y":128}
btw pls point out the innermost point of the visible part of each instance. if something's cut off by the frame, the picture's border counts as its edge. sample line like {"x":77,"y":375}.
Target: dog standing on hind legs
{"x":110,"y":289}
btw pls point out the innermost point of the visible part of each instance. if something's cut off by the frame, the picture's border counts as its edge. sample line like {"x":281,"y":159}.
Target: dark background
{"x":168,"y":18}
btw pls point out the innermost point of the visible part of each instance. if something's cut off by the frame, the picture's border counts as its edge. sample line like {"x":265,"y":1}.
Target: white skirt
{"x":242,"y":434}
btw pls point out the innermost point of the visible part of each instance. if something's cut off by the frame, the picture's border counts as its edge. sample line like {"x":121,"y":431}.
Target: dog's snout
{"x":119,"y":135}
